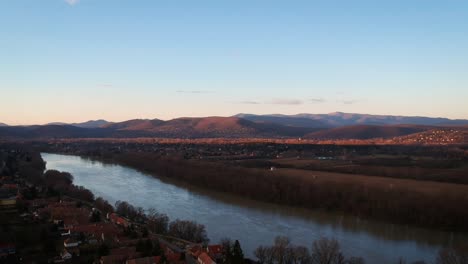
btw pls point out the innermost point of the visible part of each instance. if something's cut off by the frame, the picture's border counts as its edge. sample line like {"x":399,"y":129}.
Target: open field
{"x":374,"y":182}
{"x":417,"y":168}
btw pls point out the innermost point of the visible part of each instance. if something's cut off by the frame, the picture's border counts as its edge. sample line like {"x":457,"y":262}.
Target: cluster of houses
{"x":9,"y":193}
{"x":436,"y":136}
{"x":77,"y":231}
{"x":206,"y":255}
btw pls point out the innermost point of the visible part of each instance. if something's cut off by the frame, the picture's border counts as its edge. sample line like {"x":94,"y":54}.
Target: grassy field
{"x":374,"y":182}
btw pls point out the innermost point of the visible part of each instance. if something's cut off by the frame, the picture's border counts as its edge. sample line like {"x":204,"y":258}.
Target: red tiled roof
{"x":205,"y":259}
{"x":173,"y":257}
{"x":195,"y":251}
{"x":118,"y":219}
{"x":215,"y":249}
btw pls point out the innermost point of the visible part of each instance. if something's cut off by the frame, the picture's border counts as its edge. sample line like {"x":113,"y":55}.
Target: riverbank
{"x":255,"y":223}
{"x":402,"y":201}
{"x":52,"y":220}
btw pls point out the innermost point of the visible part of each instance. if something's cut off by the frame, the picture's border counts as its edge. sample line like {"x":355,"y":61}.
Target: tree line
{"x":398,"y":203}
{"x":328,"y":251}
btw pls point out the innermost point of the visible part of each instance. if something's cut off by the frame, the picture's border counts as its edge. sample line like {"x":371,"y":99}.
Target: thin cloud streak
{"x":316,"y":100}
{"x":282,"y":101}
{"x":105,"y":85}
{"x":248,"y":102}
{"x":285,"y":102}
{"x":72,"y":2}
{"x":194,"y":91}
{"x":348,"y":102}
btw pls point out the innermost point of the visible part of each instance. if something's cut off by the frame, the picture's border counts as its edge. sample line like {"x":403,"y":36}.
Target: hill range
{"x":309,"y":126}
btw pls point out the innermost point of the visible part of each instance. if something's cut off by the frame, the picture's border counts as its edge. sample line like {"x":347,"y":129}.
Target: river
{"x":253,"y":223}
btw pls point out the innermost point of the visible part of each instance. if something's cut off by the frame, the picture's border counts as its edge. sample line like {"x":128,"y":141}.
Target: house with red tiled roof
{"x":215,"y":251}
{"x":116,"y":219}
{"x":68,"y":215}
{"x":195,"y":251}
{"x":204,"y":258}
{"x":174,"y":258}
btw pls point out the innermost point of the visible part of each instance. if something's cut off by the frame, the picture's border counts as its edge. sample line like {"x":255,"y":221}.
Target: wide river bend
{"x":253,"y":223}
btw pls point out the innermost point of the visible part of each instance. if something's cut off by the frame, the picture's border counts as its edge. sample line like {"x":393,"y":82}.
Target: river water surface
{"x":253,"y":223}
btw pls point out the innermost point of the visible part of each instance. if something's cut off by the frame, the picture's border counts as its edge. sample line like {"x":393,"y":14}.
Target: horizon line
{"x":207,"y":116}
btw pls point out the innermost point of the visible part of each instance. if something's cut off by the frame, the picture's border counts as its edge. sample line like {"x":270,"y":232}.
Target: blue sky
{"x":78,"y":60}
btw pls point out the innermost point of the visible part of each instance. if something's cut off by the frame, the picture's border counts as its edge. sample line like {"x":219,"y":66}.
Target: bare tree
{"x":188,"y":230}
{"x":263,"y":255}
{"x":327,"y":251}
{"x":280,"y":249}
{"x":282,"y":252}
{"x":157,"y":222}
{"x":299,"y":255}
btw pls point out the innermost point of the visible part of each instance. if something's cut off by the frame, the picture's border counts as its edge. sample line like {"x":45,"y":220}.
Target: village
{"x":43,"y":224}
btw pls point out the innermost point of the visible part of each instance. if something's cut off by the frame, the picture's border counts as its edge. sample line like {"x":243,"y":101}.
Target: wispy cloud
{"x":105,"y":85}
{"x":248,"y":102}
{"x":316,"y":100}
{"x":348,"y":102}
{"x":282,"y":101}
{"x":194,"y":91}
{"x":72,"y":2}
{"x":279,"y":101}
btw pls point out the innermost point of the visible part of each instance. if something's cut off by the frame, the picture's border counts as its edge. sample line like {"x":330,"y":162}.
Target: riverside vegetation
{"x":405,"y":201}
{"x":281,"y":191}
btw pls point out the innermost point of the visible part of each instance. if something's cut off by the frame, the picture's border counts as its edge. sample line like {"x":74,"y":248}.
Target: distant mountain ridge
{"x":3,"y":125}
{"x":186,"y":127}
{"x":87,"y":124}
{"x":338,"y":119}
{"x":309,"y":126}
